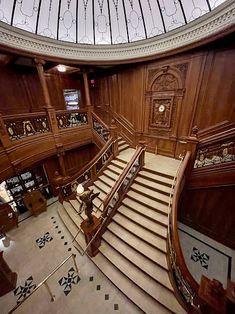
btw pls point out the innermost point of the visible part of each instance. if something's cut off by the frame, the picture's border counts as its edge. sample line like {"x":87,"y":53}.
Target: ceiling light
{"x":61,"y":68}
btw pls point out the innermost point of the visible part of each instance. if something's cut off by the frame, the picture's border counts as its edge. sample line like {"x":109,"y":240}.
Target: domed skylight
{"x":102,"y":21}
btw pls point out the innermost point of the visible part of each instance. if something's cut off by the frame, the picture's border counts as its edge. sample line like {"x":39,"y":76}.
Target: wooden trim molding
{"x":209,"y":27}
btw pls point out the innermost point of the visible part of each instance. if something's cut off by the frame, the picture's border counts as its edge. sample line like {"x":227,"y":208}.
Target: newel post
{"x":142,"y":156}
{"x":4,"y":136}
{"x":114,"y":135}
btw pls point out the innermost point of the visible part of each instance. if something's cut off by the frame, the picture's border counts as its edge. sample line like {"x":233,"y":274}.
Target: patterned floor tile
{"x":41,"y":242}
{"x":67,"y":282}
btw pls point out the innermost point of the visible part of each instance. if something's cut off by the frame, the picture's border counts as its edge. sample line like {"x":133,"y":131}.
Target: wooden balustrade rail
{"x":122,"y":177}
{"x":173,"y":237}
{"x":99,"y":120}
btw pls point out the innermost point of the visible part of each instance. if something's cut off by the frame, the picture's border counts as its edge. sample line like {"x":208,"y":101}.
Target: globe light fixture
{"x":61,"y":68}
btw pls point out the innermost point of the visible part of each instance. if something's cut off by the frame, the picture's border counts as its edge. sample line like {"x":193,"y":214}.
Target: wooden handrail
{"x":24,"y":115}
{"x":100,"y":121}
{"x":89,"y":165}
{"x":122,"y":177}
{"x":71,"y":111}
{"x":174,"y":219}
{"x":217,"y":137}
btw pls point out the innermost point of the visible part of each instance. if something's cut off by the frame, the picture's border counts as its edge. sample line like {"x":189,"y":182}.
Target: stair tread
{"x":107,"y":180}
{"x":102,"y":186}
{"x":139,"y":245}
{"x":148,"y":191}
{"x":145,"y":265}
{"x":71,"y":227}
{"x":149,"y":285}
{"x":156,"y":177}
{"x":148,"y":201}
{"x":151,"y":213}
{"x":117,"y":170}
{"x":153,"y":185}
{"x":110,"y":174}
{"x":134,"y":293}
{"x":118,"y":163}
{"x":143,"y":221}
{"x":140,"y":232}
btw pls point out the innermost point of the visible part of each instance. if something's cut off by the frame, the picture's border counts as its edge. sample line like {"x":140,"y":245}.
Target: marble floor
{"x":204,"y":256}
{"x":33,"y":250}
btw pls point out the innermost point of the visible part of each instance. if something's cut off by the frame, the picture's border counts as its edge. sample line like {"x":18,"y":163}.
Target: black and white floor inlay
{"x":198,"y":257}
{"x":22,"y":292}
{"x":67,"y":282}
{"x":41,"y":242}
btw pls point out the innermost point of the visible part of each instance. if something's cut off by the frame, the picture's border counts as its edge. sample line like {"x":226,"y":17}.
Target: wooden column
{"x":4,"y":136}
{"x":39,"y":64}
{"x":87,"y":90}
{"x":60,"y":155}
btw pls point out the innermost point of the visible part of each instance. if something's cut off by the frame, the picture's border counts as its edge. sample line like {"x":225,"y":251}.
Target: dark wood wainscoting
{"x":207,"y":203}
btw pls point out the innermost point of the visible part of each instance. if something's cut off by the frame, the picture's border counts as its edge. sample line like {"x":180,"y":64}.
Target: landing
{"x":161,"y":163}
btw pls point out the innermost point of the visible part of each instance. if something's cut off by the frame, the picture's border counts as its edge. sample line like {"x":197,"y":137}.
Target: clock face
{"x":161,"y":108}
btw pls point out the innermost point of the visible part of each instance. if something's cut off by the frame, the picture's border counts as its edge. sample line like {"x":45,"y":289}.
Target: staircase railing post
{"x":114,"y":135}
{"x":49,"y":291}
{"x":142,"y":156}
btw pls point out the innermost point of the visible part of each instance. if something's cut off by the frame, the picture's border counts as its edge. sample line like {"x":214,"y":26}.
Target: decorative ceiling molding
{"x":220,"y":20}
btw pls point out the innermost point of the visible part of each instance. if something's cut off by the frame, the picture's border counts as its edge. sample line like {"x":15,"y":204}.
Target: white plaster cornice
{"x":210,"y":25}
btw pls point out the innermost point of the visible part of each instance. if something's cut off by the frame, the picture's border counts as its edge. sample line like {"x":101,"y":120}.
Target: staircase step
{"x":148,"y":202}
{"x":145,"y":211}
{"x":114,"y":169}
{"x":126,"y":154}
{"x":143,"y":221}
{"x":110,"y":174}
{"x":162,"y":295}
{"x":139,"y":245}
{"x":96,"y":189}
{"x":133,"y":292}
{"x":156,"y":177}
{"x":72,"y":228}
{"x":102,"y":186}
{"x":150,"y":193}
{"x":118,"y":164}
{"x":123,"y":147}
{"x":143,"y":234}
{"x":153,"y":185}
{"x":139,"y":260}
{"x":106,"y":180}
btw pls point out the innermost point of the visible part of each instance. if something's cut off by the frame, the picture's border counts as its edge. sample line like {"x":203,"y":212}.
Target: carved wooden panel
{"x":165,"y":82}
{"x":161,"y":112}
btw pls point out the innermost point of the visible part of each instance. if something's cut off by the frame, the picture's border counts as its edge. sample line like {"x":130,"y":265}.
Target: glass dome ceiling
{"x":102,"y":21}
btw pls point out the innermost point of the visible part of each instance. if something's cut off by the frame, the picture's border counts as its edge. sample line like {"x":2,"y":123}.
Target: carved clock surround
{"x":165,"y":91}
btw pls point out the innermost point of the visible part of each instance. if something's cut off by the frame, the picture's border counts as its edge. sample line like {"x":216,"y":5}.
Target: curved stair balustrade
{"x":185,"y":286}
{"x":88,"y":173}
{"x":116,"y":195}
{"x":100,"y":128}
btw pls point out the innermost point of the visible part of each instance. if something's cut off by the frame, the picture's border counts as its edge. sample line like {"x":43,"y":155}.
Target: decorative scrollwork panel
{"x":19,"y":128}
{"x":71,"y":120}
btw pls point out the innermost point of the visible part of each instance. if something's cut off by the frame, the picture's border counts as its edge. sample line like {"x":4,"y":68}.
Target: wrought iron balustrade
{"x":100,"y":128}
{"x":71,"y":119}
{"x":21,"y":126}
{"x":86,"y":175}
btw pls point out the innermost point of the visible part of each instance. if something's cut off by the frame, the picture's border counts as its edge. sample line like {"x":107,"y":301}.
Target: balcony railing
{"x":100,"y":128}
{"x":23,"y":125}
{"x":70,"y":119}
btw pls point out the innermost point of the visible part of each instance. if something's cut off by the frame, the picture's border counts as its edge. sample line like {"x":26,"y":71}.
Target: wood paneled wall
{"x":74,"y":159}
{"x":21,"y":92}
{"x":202,"y":95}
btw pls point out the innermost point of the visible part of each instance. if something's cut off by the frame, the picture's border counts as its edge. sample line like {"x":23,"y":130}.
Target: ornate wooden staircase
{"x":133,"y":251}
